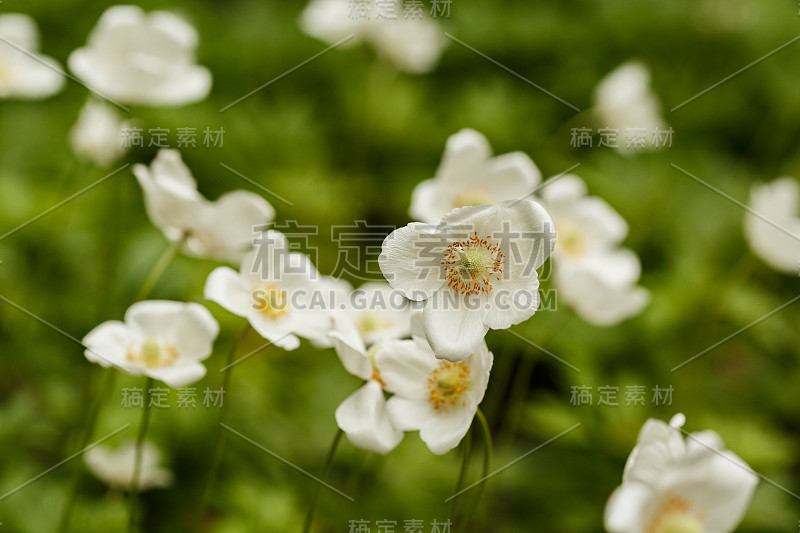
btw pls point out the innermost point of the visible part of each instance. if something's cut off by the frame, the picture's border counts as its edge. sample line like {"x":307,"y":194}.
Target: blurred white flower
{"x":97,"y":135}
{"x":25,"y":75}
{"x":778,"y":202}
{"x":474,"y":271}
{"x":435,"y":397}
{"x":278,"y":291}
{"x":672,"y":485}
{"x":221,"y":229}
{"x":623,"y":100}
{"x":469,"y":175}
{"x":163,"y":340}
{"x":115,"y":467}
{"x":142,"y":58}
{"x":593,"y":274}
{"x":363,"y":415}
{"x":412,"y":45}
{"x":379,"y":312}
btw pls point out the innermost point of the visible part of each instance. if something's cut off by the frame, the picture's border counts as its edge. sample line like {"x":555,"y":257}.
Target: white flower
{"x":412,"y":45}
{"x":97,"y":135}
{"x":23,"y":76}
{"x":379,"y":312}
{"x":142,"y":59}
{"x":474,"y":271}
{"x":435,"y":397}
{"x":592,"y":273}
{"x":221,"y":229}
{"x":115,"y":467}
{"x":277,"y":291}
{"x":160,"y":339}
{"x":362,"y":415}
{"x":778,"y":202}
{"x":672,"y":485}
{"x":623,"y":100}
{"x":469,"y":175}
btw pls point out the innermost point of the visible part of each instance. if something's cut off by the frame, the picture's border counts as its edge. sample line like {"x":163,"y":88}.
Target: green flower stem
{"x":466,"y":452}
{"x":159,"y":268}
{"x":137,"y":462}
{"x":326,"y":470}
{"x":487,"y":460}
{"x":219,"y":443}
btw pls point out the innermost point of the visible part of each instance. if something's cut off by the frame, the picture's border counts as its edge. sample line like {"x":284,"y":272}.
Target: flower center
{"x":472,"y":264}
{"x":571,"y":241}
{"x":472,"y":197}
{"x":447,"y":383}
{"x":675,"y":516}
{"x":270,"y":300}
{"x":369,"y":322}
{"x":153,"y":354}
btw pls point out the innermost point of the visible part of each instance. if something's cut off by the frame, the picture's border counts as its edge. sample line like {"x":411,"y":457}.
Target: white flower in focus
{"x":115,"y":467}
{"x":593,"y":274}
{"x":163,"y":340}
{"x":435,"y":397}
{"x":412,"y":45}
{"x":672,"y":485}
{"x":23,"y":76}
{"x":778,"y":202}
{"x":469,"y":175}
{"x":624,"y":100}
{"x":363,"y":415}
{"x":142,"y":58}
{"x":96,"y":136}
{"x":474,"y":271}
{"x":221,"y":229}
{"x":277,"y":291}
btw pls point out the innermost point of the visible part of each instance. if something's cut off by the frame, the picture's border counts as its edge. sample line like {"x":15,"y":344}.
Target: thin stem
{"x":487,"y":460}
{"x":219,"y":443}
{"x":326,"y":470}
{"x":159,"y":268}
{"x":466,"y":452}
{"x":94,"y":414}
{"x":137,"y":463}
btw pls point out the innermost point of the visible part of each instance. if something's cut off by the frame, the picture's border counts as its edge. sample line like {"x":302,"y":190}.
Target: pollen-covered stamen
{"x":447,"y":383}
{"x":270,"y":300}
{"x":152,"y":353}
{"x":473,"y":264}
{"x":676,"y":516}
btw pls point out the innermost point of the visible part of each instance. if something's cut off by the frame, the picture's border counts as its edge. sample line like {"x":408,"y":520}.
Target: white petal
{"x":405,"y":367}
{"x":179,"y":375}
{"x":464,"y":152}
{"x":364,"y":418}
{"x":453,"y":329}
{"x":511,"y":176}
{"x":226,"y":287}
{"x":626,"y":510}
{"x":446,"y":430}
{"x":350,"y":348}
{"x":188,"y":326}
{"x":409,"y":415}
{"x":108,"y":344}
{"x":411,"y":260}
{"x":430,"y":201}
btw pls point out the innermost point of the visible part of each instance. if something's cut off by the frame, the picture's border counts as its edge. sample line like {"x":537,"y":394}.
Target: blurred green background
{"x":347,"y":138}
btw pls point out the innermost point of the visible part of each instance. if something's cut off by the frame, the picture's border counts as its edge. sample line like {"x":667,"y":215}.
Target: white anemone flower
{"x":24,"y":73}
{"x":412,"y":45}
{"x":672,"y":485}
{"x":474,"y":271}
{"x":363,"y":415}
{"x":379,"y":312}
{"x":593,"y":274}
{"x":438,"y":398}
{"x":97,"y":135}
{"x":142,"y":58}
{"x":469,"y":175}
{"x":776,"y":242}
{"x":115,"y":467}
{"x":278,"y":291}
{"x":623,"y":100}
{"x":221,"y":229}
{"x":163,"y":340}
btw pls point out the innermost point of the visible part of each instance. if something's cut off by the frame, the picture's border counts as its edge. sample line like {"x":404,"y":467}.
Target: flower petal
{"x":411,"y":260}
{"x":453,"y":329}
{"x":363,"y":417}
